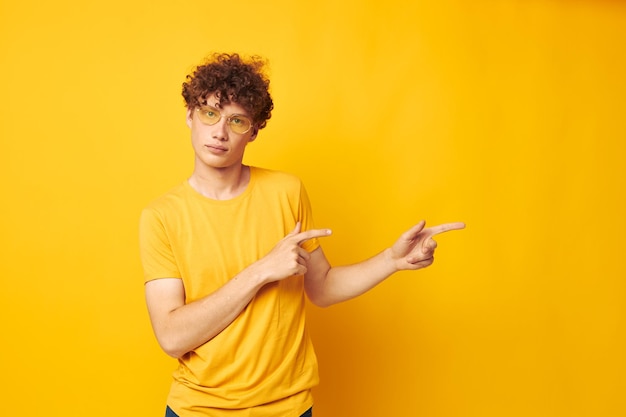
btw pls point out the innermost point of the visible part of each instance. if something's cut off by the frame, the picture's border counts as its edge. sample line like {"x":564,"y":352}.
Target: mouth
{"x":216,"y":148}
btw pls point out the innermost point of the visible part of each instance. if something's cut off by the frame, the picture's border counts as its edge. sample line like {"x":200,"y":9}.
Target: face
{"x":217,"y":146}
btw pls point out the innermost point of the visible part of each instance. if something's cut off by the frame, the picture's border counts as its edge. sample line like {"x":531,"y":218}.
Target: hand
{"x":415,"y":249}
{"x":288,"y":258}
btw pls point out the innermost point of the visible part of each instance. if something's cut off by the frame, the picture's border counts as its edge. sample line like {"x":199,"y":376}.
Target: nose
{"x":220,"y":129}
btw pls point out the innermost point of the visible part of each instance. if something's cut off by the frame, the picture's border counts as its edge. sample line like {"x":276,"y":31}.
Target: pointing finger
{"x":311,"y":234}
{"x":446,"y":227}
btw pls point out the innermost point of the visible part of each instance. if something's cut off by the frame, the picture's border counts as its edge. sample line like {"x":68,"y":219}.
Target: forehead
{"x":229,"y":107}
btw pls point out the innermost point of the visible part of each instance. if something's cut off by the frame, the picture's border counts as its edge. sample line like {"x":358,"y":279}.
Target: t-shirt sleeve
{"x":305,"y":216}
{"x":155,"y":250}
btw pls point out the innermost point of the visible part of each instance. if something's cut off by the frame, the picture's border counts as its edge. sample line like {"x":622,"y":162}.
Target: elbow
{"x":174,"y":353}
{"x":324,"y":304}
{"x":172,"y":347}
{"x":320,"y":301}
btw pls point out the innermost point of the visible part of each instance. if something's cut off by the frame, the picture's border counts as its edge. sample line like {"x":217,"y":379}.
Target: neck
{"x":220,"y":183}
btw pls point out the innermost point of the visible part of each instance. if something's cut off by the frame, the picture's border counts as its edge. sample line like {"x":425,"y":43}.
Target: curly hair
{"x":232,"y":79}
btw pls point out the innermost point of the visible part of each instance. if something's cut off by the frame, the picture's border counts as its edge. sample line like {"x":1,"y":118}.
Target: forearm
{"x":187,"y":326}
{"x":414,"y":250}
{"x":341,"y":283}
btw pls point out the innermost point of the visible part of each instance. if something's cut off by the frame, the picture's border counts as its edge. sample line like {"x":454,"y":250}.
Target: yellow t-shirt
{"x":263,"y":364}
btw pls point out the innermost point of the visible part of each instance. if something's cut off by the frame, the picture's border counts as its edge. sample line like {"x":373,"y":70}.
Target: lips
{"x":216,"y":148}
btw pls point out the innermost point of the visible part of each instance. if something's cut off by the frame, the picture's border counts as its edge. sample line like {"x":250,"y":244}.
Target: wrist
{"x":256,"y":276}
{"x":390,"y":261}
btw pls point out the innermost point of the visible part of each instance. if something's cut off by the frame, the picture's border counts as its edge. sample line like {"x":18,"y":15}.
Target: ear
{"x":189,"y":117}
{"x":255,"y":132}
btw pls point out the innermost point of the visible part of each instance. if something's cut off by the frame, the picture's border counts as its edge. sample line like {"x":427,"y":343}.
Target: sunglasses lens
{"x":239,"y":124}
{"x":208,"y":115}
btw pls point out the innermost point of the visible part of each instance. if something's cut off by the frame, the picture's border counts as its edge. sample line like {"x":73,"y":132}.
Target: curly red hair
{"x":232,"y":79}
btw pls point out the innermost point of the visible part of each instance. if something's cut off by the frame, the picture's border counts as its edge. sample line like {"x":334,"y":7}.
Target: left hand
{"x":415,"y":248}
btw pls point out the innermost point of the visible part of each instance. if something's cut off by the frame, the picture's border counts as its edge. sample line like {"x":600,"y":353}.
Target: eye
{"x":209,"y":113}
{"x":237,"y":121}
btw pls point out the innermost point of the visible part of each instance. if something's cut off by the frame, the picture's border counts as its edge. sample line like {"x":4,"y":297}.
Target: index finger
{"x":446,"y":227}
{"x":311,"y":234}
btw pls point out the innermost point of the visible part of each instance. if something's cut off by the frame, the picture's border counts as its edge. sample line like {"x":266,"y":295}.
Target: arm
{"x":326,"y":285}
{"x":181,"y":327}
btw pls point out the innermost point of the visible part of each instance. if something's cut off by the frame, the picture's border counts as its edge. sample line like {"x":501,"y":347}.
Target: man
{"x":230,"y":253}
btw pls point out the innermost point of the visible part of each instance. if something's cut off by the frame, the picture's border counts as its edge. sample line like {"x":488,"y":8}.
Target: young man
{"x":230,"y":253}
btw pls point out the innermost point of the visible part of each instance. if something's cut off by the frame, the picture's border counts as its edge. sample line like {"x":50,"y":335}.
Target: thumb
{"x":414,"y":231}
{"x":296,"y":229}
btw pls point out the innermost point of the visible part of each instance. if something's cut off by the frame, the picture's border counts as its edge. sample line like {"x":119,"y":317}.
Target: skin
{"x":326,"y":285}
{"x":219,"y":173}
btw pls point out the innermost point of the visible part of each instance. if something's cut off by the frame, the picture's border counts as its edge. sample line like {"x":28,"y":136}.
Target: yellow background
{"x":508,"y":115}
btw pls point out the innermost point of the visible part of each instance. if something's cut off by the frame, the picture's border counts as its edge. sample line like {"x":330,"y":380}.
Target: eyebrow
{"x":230,"y":115}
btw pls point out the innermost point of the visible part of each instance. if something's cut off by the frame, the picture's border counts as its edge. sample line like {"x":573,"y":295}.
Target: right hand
{"x":416,"y":247}
{"x":288,"y":258}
